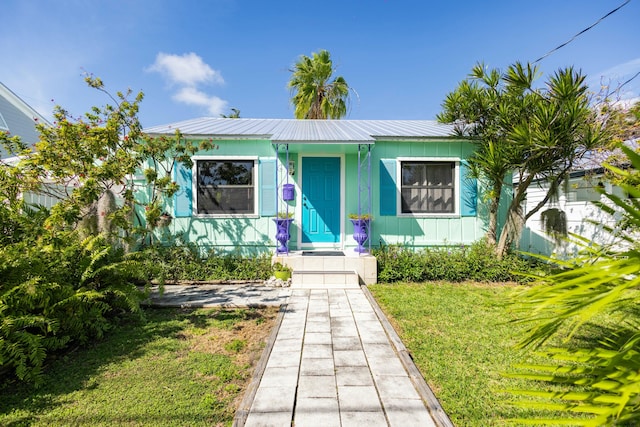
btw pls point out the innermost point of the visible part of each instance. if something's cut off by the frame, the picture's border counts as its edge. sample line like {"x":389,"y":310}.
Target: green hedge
{"x":476,"y":262}
{"x":183,"y":261}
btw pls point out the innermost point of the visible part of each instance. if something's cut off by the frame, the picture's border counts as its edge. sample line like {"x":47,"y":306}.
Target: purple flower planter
{"x":282,"y":234}
{"x":360,"y":233}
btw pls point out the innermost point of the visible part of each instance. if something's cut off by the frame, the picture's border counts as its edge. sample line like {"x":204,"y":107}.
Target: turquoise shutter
{"x":388,"y":190}
{"x":182,"y":200}
{"x":468,"y":191}
{"x":268,"y":200}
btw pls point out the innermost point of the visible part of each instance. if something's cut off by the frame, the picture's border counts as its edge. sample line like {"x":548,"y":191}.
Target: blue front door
{"x":320,"y":199}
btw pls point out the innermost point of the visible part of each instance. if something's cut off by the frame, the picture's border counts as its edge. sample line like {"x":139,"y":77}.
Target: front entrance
{"x":320,"y":200}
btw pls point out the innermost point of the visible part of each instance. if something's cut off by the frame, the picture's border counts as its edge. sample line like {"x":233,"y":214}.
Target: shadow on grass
{"x":223,"y":317}
{"x":595,"y":335}
{"x":73,"y":370}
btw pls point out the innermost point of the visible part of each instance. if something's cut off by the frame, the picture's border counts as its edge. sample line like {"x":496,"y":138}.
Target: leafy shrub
{"x":55,"y":289}
{"x":453,"y":264}
{"x":182,"y":261}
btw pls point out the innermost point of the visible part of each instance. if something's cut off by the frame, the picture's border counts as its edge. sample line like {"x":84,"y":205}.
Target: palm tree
{"x":235,"y":114}
{"x":315,"y":96}
{"x":601,"y":380}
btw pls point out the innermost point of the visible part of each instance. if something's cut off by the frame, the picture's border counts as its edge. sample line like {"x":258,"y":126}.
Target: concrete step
{"x":328,"y":279}
{"x":364,"y":266}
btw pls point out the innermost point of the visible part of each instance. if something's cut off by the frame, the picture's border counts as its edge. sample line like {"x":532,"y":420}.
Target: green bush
{"x":182,"y":261}
{"x":57,"y":288}
{"x":453,"y":264}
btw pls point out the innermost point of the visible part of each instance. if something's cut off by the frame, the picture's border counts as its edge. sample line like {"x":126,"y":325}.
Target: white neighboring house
{"x":575,"y":199}
{"x":19,"y":118}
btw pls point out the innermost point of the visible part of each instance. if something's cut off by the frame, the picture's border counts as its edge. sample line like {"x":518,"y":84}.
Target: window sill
{"x":430,"y":215}
{"x":225,"y":216}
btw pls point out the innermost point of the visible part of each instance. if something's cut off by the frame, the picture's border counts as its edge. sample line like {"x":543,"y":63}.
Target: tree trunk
{"x":515,"y":219}
{"x":511,"y":231}
{"x":494,"y":205}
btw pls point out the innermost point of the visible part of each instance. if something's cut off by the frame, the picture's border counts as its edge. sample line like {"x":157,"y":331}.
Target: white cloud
{"x":192,"y":96}
{"x":188,"y":69}
{"x":188,"y":72}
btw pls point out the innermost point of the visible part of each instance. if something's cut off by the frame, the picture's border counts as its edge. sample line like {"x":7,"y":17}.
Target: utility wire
{"x":628,"y":81}
{"x":582,"y":32}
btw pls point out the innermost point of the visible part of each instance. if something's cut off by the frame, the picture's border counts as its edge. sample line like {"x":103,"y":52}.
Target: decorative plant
{"x":364,"y":216}
{"x":277,"y":266}
{"x":285,"y":215}
{"x":555,"y":222}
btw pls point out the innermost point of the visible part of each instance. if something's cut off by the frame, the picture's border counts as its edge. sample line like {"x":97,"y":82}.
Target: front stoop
{"x":349,"y":270}
{"x":325,"y":279}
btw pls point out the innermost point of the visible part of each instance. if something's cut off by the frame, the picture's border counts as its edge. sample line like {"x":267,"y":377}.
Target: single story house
{"x":409,"y":176}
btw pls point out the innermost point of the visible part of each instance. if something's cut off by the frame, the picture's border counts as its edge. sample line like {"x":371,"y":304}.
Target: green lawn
{"x":189,"y":368}
{"x":460,"y":339}
{"x":177,"y":368}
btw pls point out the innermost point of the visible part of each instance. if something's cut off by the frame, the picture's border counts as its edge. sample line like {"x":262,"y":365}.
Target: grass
{"x":176,"y":368}
{"x":461,"y":341}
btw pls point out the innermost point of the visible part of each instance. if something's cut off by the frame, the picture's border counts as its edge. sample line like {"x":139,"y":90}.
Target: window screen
{"x":428,"y":187}
{"x":225,"y":187}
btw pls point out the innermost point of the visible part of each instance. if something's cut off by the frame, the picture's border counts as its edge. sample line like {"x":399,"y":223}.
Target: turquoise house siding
{"x":390,"y":227}
{"x":379,"y":167}
{"x":243,"y":233}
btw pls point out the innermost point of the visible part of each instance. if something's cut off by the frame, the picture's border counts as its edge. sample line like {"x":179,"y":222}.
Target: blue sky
{"x":201,"y":58}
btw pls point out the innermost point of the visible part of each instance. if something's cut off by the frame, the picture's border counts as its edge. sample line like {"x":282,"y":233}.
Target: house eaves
{"x":282,"y":131}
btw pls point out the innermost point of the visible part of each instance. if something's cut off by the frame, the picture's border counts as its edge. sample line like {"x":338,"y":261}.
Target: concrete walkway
{"x":334,"y":360}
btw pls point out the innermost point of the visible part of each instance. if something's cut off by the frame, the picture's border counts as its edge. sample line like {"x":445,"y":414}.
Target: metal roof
{"x":295,"y":130}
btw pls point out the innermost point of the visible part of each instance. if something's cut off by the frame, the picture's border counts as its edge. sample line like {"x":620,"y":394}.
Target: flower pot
{"x":360,"y":233}
{"x":282,"y":274}
{"x":282,"y":234}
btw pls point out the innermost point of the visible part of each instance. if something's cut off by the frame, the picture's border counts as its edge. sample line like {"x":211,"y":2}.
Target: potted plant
{"x":285,"y":215}
{"x":360,"y":230}
{"x":283,"y":221}
{"x":281,"y":271}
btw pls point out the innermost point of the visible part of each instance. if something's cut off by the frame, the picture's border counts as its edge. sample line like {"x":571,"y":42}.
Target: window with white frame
{"x":428,"y":187}
{"x":225,"y":186}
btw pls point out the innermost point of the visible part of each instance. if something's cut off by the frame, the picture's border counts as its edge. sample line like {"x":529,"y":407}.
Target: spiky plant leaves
{"x":601,"y":382}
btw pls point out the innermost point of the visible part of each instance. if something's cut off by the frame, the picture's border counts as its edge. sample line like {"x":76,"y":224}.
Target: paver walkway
{"x":332,"y":364}
{"x":333,"y":360}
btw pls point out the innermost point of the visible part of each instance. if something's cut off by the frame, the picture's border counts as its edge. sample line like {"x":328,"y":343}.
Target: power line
{"x":582,"y":32}
{"x":628,"y":81}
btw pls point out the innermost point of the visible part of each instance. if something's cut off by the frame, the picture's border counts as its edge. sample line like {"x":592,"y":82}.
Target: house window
{"x":428,"y":187}
{"x":225,"y":187}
